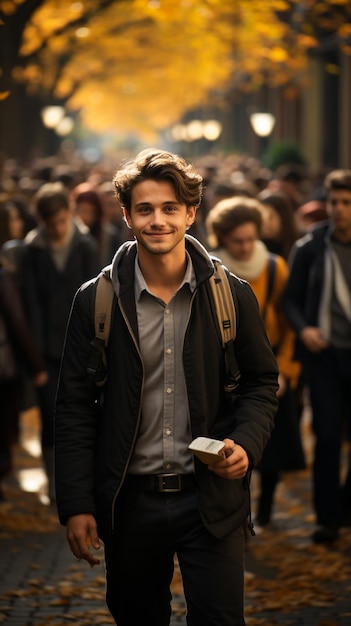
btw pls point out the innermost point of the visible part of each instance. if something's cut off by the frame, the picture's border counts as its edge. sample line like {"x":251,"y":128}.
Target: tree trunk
{"x":20,"y":124}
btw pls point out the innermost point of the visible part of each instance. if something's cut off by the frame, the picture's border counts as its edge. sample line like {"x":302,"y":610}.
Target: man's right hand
{"x":313,"y":339}
{"x":82,"y":533}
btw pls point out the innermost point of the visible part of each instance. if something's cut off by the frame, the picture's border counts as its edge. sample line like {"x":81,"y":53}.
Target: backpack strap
{"x":270,"y":282}
{"x":103,"y":308}
{"x":97,"y":363}
{"x":224,"y":302}
{"x":226,"y":315}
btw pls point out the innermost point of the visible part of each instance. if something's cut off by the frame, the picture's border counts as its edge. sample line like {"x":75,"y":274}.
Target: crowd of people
{"x":287,"y":233}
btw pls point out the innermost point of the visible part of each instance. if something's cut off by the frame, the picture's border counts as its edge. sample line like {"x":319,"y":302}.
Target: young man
{"x":56,"y":258}
{"x":318,"y":306}
{"x":125,"y":474}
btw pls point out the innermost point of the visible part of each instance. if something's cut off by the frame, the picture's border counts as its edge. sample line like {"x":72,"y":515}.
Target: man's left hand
{"x":236,"y":463}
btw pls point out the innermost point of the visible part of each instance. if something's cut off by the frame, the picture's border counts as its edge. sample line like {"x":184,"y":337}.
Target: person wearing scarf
{"x":317,"y":302}
{"x":234,"y":227}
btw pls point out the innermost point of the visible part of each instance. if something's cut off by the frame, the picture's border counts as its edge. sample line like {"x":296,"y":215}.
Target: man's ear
{"x":126,"y":217}
{"x":191,"y":214}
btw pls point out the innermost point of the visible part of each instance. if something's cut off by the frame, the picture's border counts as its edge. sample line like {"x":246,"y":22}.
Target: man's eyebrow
{"x":165,"y":203}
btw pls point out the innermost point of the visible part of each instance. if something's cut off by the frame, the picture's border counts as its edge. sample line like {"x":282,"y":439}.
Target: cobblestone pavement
{"x":289,"y":581}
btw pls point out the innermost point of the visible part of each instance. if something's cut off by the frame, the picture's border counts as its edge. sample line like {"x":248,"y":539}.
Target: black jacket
{"x":48,"y":292}
{"x":25,"y":350}
{"x":93,"y":450}
{"x":304,"y":287}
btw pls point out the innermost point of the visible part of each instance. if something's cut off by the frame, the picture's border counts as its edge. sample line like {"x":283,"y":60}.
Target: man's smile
{"x":157,"y":233}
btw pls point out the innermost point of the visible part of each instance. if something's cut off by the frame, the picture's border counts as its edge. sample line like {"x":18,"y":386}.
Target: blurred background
{"x":90,"y":79}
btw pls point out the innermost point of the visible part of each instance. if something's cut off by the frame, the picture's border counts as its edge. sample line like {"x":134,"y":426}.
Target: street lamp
{"x":52,"y":115}
{"x":196,"y":131}
{"x":262,"y":125}
{"x":212,"y":130}
{"x":54,"y":118}
{"x":65,"y":126}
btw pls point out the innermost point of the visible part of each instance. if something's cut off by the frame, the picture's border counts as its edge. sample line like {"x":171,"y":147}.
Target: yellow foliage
{"x":278,"y":55}
{"x":138,"y":65}
{"x":8,"y":7}
{"x":47,"y":20}
{"x":344,"y":30}
{"x":306,"y":41}
{"x":18,"y":73}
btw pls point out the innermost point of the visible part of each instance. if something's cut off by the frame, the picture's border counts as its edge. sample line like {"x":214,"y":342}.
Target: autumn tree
{"x":21,"y":97}
{"x":138,"y":65}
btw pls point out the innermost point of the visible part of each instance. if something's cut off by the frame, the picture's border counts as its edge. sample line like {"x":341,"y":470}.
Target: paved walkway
{"x":289,"y":581}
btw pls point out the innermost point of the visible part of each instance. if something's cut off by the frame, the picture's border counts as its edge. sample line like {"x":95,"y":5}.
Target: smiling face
{"x":157,"y":219}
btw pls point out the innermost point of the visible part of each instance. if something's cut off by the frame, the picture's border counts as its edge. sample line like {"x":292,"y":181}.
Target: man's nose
{"x":157,"y":217}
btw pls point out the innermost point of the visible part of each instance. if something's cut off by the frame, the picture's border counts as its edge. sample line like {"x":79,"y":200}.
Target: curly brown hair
{"x":159,"y":165}
{"x":229,"y":214}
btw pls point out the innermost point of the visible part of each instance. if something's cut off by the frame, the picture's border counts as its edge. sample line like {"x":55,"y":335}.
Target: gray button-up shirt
{"x":164,"y":434}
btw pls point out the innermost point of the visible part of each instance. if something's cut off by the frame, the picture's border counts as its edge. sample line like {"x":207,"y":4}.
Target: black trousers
{"x":330,"y":394}
{"x":150,"y":528}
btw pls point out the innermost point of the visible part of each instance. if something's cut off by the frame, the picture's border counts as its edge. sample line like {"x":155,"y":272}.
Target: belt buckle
{"x":165,"y":484}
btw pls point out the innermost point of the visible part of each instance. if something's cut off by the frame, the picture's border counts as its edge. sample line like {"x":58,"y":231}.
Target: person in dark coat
{"x":56,"y":258}
{"x":317,"y":302}
{"x":18,"y":352}
{"x":88,"y":206}
{"x":124,"y":473}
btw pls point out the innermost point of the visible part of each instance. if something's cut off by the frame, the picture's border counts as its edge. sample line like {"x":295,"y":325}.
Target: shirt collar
{"x":189,"y":278}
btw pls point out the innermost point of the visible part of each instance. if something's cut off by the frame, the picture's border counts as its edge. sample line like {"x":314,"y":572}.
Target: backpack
{"x":226,"y":315}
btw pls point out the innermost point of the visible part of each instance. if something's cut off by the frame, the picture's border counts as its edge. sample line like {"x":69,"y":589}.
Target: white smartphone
{"x":208,"y":450}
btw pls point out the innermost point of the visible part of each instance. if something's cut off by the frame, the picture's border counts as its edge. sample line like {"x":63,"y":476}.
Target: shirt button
{"x":169,"y":351}
{"x":168,"y":432}
{"x":169,"y":390}
{"x":167,"y":311}
{"x":168,"y":466}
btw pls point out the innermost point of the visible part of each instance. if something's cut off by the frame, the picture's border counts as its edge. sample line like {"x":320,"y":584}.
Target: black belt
{"x":164,"y":483}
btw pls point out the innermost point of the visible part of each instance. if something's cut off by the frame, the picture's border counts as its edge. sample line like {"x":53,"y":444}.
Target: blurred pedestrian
{"x":128,"y":475}
{"x":279,"y":228}
{"x":290,"y":179}
{"x":18,"y":351}
{"x":234,"y":226}
{"x":89,"y":207}
{"x":11,"y":222}
{"x":312,"y":212}
{"x":113,"y":212}
{"x":318,"y":305}
{"x":56,"y":259}
{"x":12,"y":228}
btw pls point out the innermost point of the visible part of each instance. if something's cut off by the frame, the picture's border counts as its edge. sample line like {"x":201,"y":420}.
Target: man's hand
{"x":313,"y":339}
{"x":81,"y":533}
{"x":236,"y":463}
